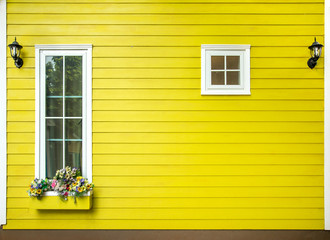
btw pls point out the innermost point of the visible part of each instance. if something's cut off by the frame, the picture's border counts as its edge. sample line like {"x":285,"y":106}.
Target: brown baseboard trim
{"x":164,"y":234}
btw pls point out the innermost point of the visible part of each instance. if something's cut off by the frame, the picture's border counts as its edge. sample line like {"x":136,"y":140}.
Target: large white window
{"x":225,"y":70}
{"x":63,"y":109}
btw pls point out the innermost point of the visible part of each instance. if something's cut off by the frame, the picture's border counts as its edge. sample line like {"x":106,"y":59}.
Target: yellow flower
{"x":88,"y":186}
{"x":79,"y":189}
{"x":39,"y":191}
{"x":83,"y":188}
{"x":78,"y":178}
{"x":74,"y":184}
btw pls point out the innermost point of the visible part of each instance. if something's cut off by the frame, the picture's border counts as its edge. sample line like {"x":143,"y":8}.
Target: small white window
{"x":225,"y":70}
{"x":63,"y":109}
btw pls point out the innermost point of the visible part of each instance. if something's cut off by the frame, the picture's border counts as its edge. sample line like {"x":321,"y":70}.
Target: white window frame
{"x":209,"y":50}
{"x":41,"y":51}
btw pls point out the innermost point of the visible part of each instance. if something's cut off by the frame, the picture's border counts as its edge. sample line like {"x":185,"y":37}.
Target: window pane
{"x":54,"y":157}
{"x":73,"y":107}
{"x":232,"y":62}
{"x":73,"y":154}
{"x":54,"y":76}
{"x":73,"y":129}
{"x":232,"y":78}
{"x":54,"y":129}
{"x":54,"y":107}
{"x":218,"y":78}
{"x":73,"y":76}
{"x":217,"y":62}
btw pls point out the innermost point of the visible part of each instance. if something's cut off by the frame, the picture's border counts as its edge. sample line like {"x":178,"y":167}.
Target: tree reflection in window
{"x":63,"y":112}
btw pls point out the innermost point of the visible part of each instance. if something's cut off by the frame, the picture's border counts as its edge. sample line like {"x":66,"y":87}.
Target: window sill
{"x":50,"y":201}
{"x":226,"y":92}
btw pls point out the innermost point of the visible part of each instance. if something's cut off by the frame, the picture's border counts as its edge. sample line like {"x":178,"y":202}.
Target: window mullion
{"x":63,"y":113}
{"x":225,"y":68}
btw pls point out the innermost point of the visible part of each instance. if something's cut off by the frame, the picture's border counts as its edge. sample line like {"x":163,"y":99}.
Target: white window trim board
{"x":225,"y":46}
{"x":63,"y":47}
{"x":39,"y":49}
{"x":227,"y":90}
{"x":3,"y":112}
{"x":326,"y":116}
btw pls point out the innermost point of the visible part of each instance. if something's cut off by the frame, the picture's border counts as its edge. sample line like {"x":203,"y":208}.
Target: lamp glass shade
{"x":311,"y":51}
{"x":316,"y":52}
{"x":14,"y":52}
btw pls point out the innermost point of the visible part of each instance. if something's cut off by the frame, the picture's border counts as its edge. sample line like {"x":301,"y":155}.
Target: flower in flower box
{"x":67,"y":182}
{"x":38,"y":187}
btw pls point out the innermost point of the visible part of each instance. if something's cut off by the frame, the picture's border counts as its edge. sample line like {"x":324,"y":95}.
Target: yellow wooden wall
{"x":165,"y":157}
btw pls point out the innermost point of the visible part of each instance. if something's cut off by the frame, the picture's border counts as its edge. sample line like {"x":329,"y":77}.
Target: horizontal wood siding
{"x":165,"y":157}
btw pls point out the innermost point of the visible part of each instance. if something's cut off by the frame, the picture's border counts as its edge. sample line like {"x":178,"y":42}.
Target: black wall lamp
{"x":315,"y":50}
{"x":15,"y":52}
